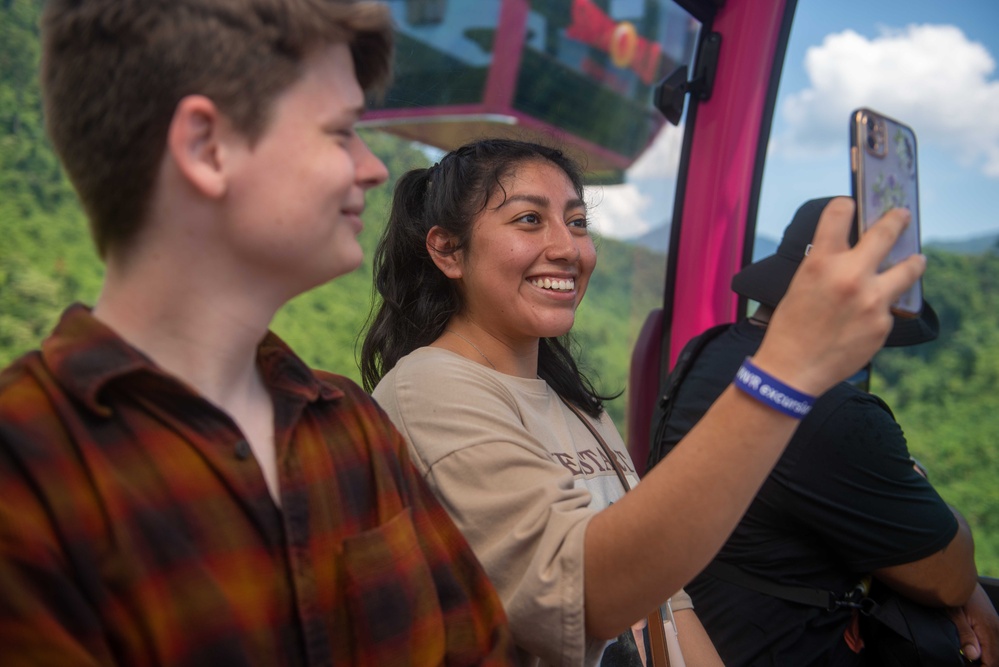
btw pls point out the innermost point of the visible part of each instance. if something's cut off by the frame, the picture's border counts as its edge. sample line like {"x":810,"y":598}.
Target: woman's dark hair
{"x":417,"y":299}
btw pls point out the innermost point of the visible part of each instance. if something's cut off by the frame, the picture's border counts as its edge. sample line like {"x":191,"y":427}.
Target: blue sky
{"x":929,"y":63}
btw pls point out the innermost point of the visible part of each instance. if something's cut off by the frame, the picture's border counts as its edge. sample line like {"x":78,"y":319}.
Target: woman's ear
{"x":442,"y":248}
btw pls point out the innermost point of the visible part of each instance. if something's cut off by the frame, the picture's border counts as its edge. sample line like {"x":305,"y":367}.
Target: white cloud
{"x":929,"y":76}
{"x":644,"y":200}
{"x":662,"y":158}
{"x":619,"y":211}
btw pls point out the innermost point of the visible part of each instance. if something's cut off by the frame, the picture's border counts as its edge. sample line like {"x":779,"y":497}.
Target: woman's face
{"x":529,"y":258}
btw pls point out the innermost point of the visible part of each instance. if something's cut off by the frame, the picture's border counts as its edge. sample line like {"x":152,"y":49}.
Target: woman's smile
{"x":555,"y":284}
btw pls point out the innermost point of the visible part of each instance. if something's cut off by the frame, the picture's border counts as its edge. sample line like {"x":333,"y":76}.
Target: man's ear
{"x":194,"y":142}
{"x":441,"y":246}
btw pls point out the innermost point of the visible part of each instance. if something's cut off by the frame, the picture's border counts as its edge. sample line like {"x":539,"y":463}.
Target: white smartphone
{"x":884,"y":176}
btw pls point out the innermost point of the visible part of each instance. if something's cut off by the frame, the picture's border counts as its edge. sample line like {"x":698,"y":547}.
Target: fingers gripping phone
{"x":883,"y":166}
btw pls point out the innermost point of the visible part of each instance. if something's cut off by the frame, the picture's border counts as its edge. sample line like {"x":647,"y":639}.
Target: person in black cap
{"x":767,"y":280}
{"x":844,"y":501}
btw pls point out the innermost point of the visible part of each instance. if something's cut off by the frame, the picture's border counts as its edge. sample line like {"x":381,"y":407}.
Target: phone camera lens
{"x":872,"y":142}
{"x":870,"y":124}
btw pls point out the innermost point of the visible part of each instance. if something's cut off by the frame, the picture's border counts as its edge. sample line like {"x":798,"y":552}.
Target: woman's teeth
{"x":559,"y":285}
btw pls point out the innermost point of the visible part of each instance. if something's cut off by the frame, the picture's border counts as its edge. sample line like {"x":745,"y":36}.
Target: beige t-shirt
{"x":521,"y":476}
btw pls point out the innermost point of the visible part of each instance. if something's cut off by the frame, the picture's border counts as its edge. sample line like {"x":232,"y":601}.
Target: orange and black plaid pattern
{"x":136,"y":527}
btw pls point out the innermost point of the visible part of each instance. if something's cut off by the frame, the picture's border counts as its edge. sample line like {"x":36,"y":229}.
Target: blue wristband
{"x":771,"y":392}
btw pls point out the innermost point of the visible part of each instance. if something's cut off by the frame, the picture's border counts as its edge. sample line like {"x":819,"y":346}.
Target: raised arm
{"x":833,"y":319}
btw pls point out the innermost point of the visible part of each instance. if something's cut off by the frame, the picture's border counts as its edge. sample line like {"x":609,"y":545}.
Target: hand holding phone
{"x":884,"y":176}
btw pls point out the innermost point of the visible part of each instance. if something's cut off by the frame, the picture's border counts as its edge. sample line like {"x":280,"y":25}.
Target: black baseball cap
{"x":767,"y":280}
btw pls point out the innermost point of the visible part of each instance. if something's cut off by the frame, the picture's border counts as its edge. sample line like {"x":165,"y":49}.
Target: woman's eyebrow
{"x":537,"y":200}
{"x":542,"y":201}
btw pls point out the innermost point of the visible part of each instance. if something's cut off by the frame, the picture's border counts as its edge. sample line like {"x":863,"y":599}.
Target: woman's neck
{"x":471,"y":341}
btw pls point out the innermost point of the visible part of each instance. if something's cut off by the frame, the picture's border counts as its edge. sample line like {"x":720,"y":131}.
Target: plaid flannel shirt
{"x":136,"y":527}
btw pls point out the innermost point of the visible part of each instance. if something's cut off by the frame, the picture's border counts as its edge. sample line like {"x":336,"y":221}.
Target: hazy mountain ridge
{"x":657,"y":240}
{"x":977,"y":245}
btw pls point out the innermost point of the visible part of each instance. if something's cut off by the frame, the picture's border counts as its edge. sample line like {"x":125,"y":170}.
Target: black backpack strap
{"x":684,"y":361}
{"x":813,"y":597}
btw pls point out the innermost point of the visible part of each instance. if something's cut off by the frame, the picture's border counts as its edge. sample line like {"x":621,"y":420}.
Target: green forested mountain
{"x":944,"y":394}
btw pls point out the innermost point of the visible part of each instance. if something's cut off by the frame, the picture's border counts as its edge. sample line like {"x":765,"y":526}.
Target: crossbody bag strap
{"x":657,"y":630}
{"x":813,"y":597}
{"x":603,"y":444}
{"x":684,"y":362}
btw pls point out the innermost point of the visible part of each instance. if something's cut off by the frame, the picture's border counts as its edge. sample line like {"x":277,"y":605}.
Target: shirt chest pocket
{"x":393,"y":604}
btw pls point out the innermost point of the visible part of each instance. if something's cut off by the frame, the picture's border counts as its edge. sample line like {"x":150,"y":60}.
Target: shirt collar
{"x":284,"y":371}
{"x":85,"y":355}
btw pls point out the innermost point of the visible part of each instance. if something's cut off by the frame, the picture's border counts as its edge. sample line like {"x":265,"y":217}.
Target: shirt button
{"x":242,"y":450}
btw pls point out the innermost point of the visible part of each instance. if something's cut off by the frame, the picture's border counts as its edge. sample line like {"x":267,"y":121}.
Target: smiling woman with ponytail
{"x":483,"y":263}
{"x":417,"y":299}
